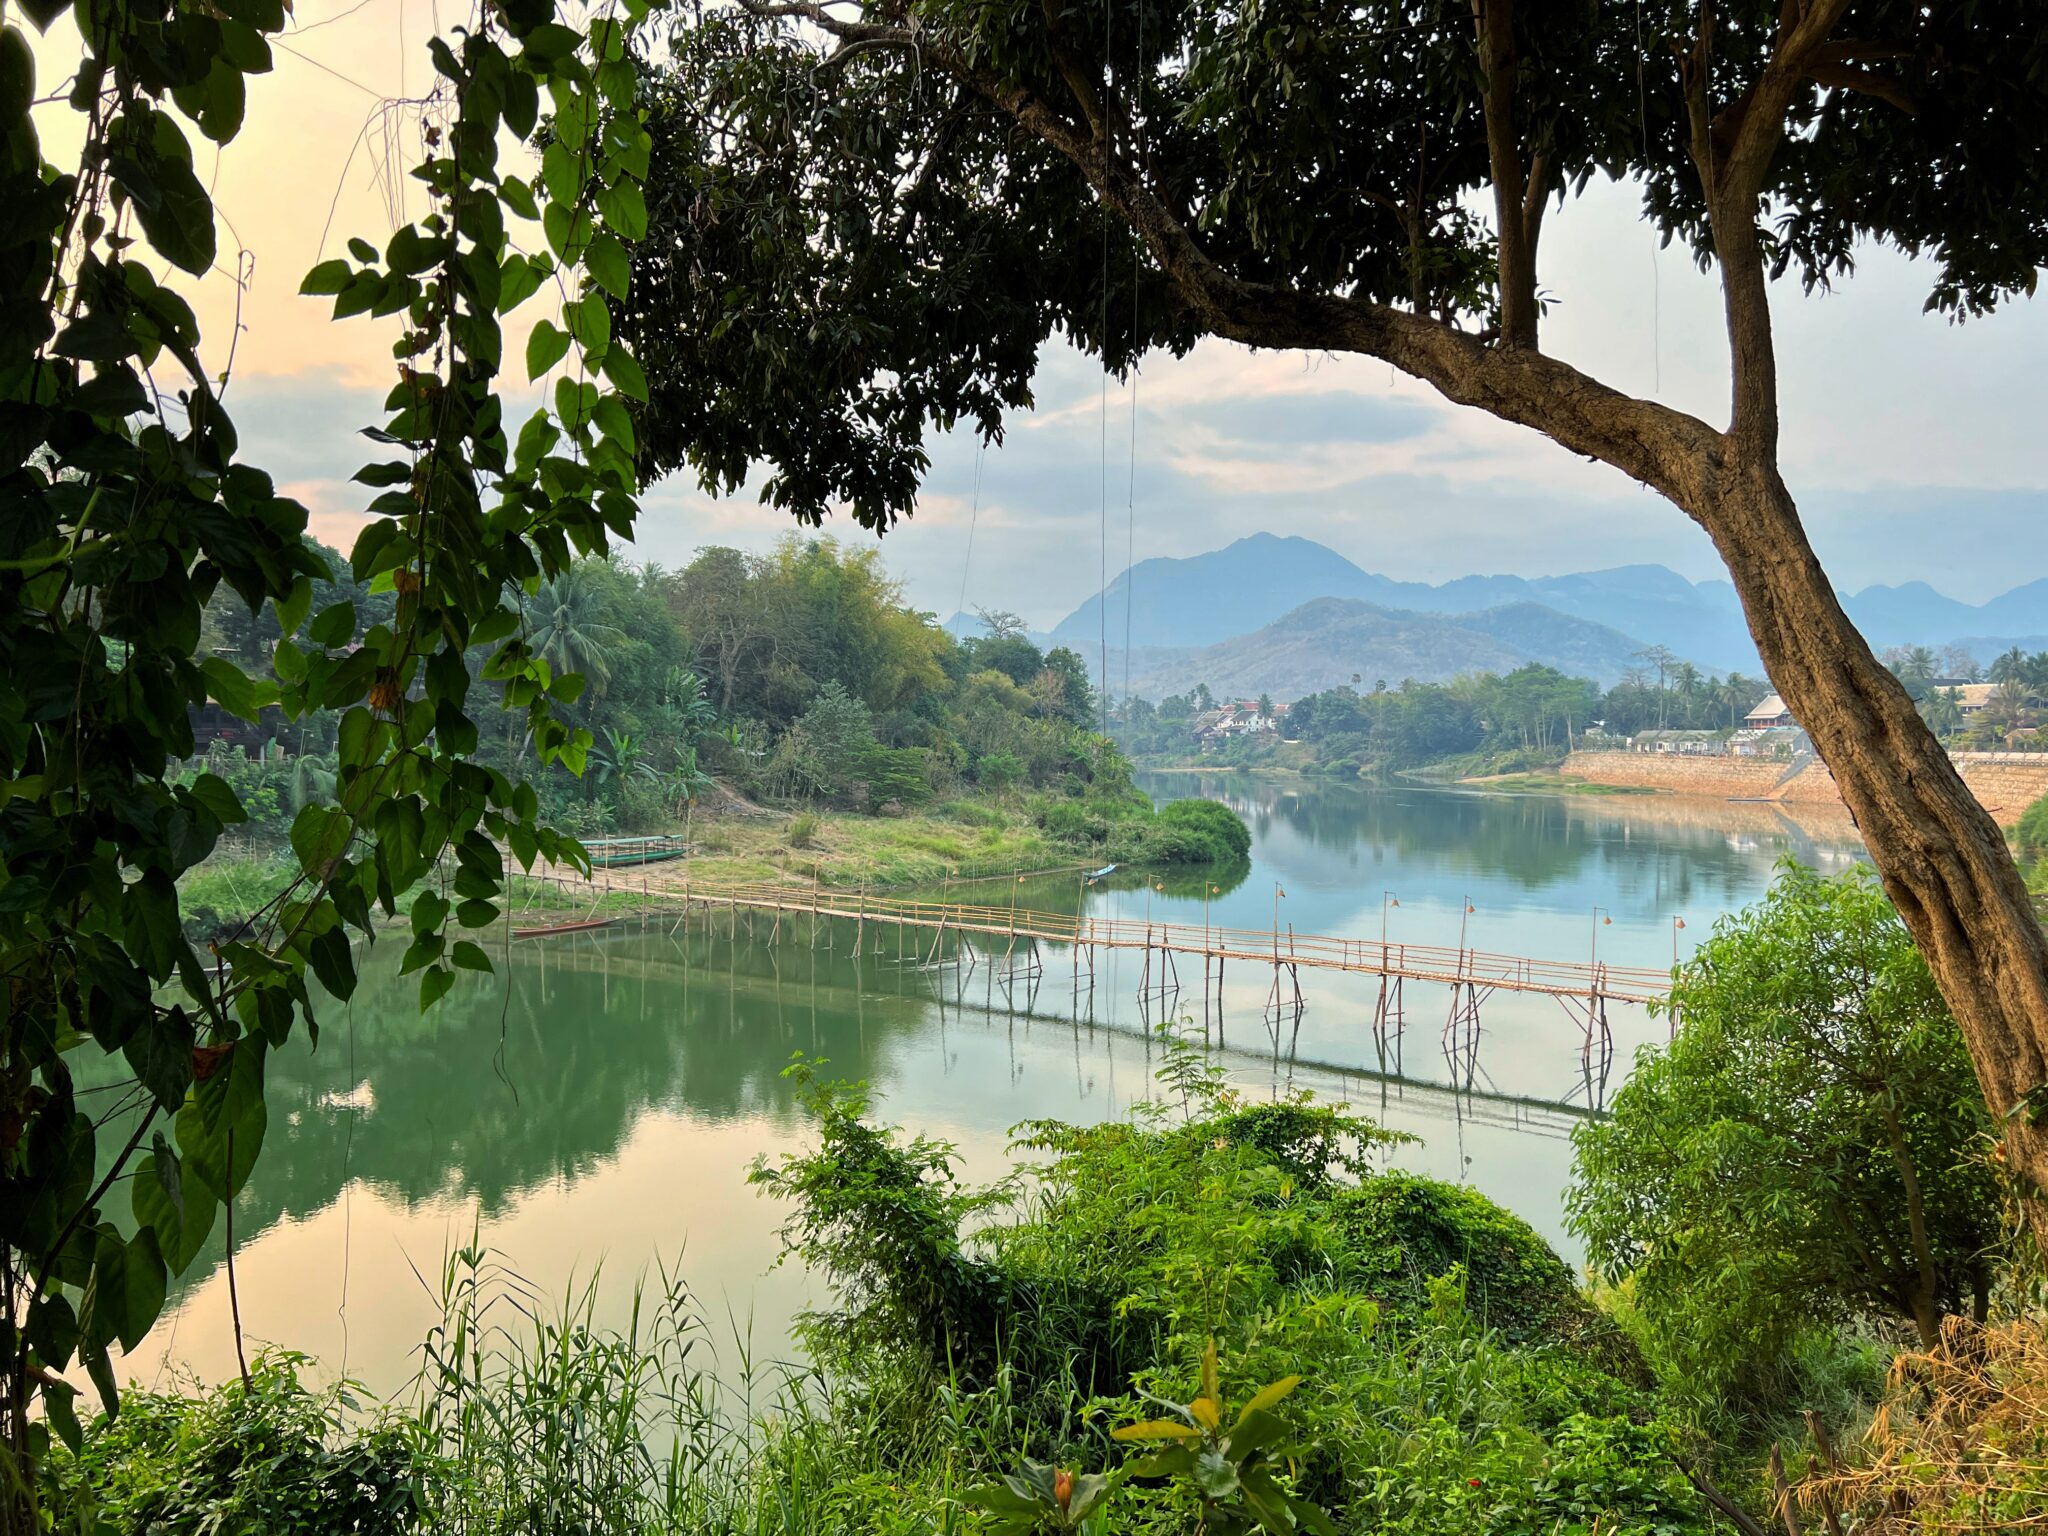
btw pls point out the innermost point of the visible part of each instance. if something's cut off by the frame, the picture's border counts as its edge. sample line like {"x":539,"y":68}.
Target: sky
{"x":1915,"y":446}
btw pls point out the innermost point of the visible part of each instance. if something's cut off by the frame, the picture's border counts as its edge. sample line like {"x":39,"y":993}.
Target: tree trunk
{"x":1927,"y":1279}
{"x":1941,"y":858}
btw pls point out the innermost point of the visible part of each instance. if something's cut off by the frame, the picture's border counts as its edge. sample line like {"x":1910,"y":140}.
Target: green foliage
{"x":975,"y":1327}
{"x":1041,"y":1498}
{"x":1211,"y":819}
{"x":266,"y":1456}
{"x":1809,"y":1149}
{"x":1483,"y":724}
{"x":140,"y":556}
{"x":1125,"y":829}
{"x":1235,"y":1474}
{"x":787,"y":318}
{"x":2031,"y":835}
{"x":1405,"y":1230}
{"x":881,"y":1221}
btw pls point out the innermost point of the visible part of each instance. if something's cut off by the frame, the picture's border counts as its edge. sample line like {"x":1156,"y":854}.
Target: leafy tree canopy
{"x":847,"y":254}
{"x":1811,"y":1147}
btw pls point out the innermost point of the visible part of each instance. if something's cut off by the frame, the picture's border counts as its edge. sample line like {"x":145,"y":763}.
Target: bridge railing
{"x":1427,"y":962}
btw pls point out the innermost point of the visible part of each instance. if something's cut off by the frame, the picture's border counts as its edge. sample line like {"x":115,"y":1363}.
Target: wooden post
{"x":1788,"y":1514}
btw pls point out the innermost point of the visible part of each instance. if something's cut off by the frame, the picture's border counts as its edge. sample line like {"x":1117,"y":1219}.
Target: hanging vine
{"x":123,"y":508}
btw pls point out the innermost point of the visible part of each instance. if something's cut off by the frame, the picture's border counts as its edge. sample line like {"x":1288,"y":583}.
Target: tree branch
{"x":1495,"y":21}
{"x":1670,"y":451}
{"x":1840,"y":76}
{"x":1077,"y":77}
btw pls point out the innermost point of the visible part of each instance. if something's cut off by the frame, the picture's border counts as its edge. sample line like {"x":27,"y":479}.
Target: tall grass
{"x":539,"y":1420}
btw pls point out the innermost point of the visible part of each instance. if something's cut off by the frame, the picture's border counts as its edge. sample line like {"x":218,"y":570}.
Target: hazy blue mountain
{"x":1206,"y":599}
{"x":1333,"y":641}
{"x":1910,"y":615}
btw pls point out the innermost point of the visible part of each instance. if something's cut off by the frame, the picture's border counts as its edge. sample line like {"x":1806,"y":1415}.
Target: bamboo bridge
{"x":1013,"y":941}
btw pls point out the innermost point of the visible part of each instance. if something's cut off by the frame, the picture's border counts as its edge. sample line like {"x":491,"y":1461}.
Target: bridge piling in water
{"x":1584,"y":990}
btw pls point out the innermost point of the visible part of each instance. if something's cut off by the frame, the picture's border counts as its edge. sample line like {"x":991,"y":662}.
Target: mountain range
{"x":1252,"y":612}
{"x":1334,"y":641}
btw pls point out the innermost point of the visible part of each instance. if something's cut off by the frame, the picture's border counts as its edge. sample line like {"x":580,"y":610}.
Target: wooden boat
{"x":629,"y":852}
{"x":546,"y":933}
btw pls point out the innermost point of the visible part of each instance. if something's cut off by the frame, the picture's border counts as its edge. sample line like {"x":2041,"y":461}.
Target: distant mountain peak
{"x":1204,"y":599}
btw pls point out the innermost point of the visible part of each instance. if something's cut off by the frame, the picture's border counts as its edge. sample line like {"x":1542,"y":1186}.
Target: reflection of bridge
{"x":921,"y":928}
{"x":1460,"y":1097}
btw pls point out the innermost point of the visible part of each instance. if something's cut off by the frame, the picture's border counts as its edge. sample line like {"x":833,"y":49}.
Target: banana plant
{"x":1234,"y":1472}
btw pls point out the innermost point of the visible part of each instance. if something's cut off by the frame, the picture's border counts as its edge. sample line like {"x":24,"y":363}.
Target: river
{"x":600,"y":1100}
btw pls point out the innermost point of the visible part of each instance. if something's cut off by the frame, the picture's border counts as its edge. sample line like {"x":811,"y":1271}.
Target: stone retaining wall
{"x":2004,"y":788}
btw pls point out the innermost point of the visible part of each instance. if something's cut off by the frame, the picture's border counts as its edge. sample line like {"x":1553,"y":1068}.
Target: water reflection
{"x":602,"y":1097}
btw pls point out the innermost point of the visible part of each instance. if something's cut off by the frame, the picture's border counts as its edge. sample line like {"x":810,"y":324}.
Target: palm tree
{"x":1943,"y":711}
{"x":687,"y":705}
{"x":1733,"y":694}
{"x":566,"y":632}
{"x":312,"y":781}
{"x":621,"y":757}
{"x":2009,"y":665}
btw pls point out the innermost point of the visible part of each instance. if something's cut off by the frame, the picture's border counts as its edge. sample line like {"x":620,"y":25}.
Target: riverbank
{"x":1537,"y":784}
{"x":968,"y":839}
{"x":2002,"y":786}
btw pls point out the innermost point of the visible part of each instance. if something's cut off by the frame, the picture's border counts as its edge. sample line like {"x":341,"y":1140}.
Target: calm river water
{"x":600,"y":1101}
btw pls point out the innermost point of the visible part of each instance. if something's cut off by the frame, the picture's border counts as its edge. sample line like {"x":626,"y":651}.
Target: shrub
{"x":270,"y":1457}
{"x":1214,"y":820}
{"x":1807,"y":1151}
{"x":2031,"y":834}
{"x":802,"y":829}
{"x":1403,"y":1231}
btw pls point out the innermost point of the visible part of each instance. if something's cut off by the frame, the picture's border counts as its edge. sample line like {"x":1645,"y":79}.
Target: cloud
{"x":1912,"y":444}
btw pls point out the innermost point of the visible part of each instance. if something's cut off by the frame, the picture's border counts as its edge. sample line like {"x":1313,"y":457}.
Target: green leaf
{"x":609,"y":264}
{"x":476,"y":913}
{"x":291,"y":613}
{"x":330,"y":277}
{"x":320,"y":835}
{"x":125,"y":1292}
{"x":220,"y":1129}
{"x":623,"y":369}
{"x":236,"y":692}
{"x":545,"y":347}
{"x":518,"y":279}
{"x":624,"y":209}
{"x":335,"y":626}
{"x":517,"y":196}
{"x":559,"y":222}
{"x":59,"y":1403}
{"x":353,"y":737}
{"x":53,"y":1327}
{"x":333,"y":962}
{"x":470,"y":957}
{"x":429,"y":912}
{"x":611,"y":418}
{"x":212,"y":791}
{"x":434,"y":985}
{"x":574,"y":401}
{"x":590,"y":321}
{"x":160,"y":1055}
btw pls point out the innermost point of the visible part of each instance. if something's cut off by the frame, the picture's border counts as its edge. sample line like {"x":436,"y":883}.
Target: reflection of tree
{"x":538,"y":1073}
{"x":1320,"y":836}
